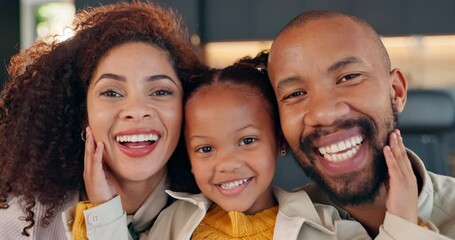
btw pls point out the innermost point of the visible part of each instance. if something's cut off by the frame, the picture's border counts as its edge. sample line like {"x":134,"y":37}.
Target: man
{"x":338,"y":99}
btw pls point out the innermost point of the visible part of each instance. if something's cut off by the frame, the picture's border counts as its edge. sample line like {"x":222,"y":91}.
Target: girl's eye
{"x":162,"y":92}
{"x":295,"y":94}
{"x":348,"y":77}
{"x":247,"y":140}
{"x":111,"y":93}
{"x":204,"y":149}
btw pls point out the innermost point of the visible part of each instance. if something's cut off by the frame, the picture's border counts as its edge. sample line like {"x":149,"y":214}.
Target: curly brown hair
{"x":43,"y":104}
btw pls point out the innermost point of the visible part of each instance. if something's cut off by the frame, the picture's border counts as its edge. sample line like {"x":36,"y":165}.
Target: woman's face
{"x":134,"y":106}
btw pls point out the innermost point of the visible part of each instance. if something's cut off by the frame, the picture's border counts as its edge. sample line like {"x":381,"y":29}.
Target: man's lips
{"x":342,"y":157}
{"x":341,"y":150}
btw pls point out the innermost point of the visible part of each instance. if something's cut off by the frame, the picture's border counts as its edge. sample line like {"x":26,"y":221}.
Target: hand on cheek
{"x":402,"y":190}
{"x":96,"y":178}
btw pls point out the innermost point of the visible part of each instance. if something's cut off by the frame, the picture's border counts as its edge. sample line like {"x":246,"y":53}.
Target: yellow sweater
{"x":79,"y":229}
{"x":219,"y":224}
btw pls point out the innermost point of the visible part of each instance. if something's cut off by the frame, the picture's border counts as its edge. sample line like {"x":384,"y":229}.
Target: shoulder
{"x":180,"y":219}
{"x":444,"y":193}
{"x":186,"y":204}
{"x":10,"y":224}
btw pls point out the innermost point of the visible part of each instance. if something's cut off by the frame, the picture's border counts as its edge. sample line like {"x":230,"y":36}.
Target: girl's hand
{"x":402,"y":193}
{"x":96,"y":176}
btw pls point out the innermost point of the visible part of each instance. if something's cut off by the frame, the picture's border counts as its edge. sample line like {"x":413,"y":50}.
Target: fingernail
{"x":394,"y":137}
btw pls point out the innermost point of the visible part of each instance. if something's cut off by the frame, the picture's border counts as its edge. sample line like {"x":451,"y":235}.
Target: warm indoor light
{"x":426,"y":61}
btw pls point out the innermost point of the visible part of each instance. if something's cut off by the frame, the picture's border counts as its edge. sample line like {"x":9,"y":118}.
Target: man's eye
{"x":205,"y":149}
{"x":248,"y":140}
{"x":111,"y":93}
{"x":349,"y":77}
{"x":295,"y":94}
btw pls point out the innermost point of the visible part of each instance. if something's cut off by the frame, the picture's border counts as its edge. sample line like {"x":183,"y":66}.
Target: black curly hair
{"x":248,"y":71}
{"x":43,"y":103}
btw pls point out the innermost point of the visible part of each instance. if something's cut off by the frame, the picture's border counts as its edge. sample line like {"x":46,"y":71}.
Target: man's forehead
{"x":334,"y":32}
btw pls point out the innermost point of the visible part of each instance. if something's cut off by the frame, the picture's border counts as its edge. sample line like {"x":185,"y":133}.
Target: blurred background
{"x":419,"y":35}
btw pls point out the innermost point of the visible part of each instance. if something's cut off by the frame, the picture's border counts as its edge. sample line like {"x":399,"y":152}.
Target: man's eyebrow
{"x":287,"y":81}
{"x":343,"y":63}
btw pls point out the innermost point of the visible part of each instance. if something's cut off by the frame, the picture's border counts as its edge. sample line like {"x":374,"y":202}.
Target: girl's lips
{"x":234,"y":190}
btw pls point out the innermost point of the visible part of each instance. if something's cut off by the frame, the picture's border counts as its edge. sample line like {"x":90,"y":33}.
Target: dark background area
{"x":226,"y":20}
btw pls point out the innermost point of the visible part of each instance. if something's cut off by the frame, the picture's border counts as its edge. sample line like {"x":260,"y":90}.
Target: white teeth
{"x":338,"y":157}
{"x":358,"y":140}
{"x":137,"y":138}
{"x":234,"y":184}
{"x":342,"y":146}
{"x":352,"y":142}
{"x":331,"y":152}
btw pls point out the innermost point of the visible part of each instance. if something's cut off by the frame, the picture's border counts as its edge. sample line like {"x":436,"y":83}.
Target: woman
{"x":53,"y":95}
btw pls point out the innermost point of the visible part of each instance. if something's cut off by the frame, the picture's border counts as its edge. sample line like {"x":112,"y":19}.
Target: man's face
{"x":338,"y":104}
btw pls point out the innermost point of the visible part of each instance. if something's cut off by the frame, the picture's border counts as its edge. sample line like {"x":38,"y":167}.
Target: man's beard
{"x":357,"y":187}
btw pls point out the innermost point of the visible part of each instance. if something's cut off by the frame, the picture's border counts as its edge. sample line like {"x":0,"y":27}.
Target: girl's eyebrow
{"x":238,"y":130}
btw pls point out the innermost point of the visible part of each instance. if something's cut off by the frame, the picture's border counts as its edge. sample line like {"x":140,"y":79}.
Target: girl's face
{"x":134,"y":106}
{"x":231,"y":143}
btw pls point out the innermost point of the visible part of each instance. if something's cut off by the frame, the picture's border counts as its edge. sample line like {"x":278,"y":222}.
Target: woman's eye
{"x":248,"y":140}
{"x":295,"y":94}
{"x":161,"y":92}
{"x":349,"y":77}
{"x":111,"y":93}
{"x":205,"y":149}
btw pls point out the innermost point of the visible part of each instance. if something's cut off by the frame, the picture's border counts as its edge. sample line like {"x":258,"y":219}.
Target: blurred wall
{"x":222,"y":20}
{"x":10,"y":33}
{"x":230,"y":20}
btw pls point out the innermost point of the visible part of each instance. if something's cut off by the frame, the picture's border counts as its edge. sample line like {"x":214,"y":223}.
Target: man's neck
{"x":370,"y":215}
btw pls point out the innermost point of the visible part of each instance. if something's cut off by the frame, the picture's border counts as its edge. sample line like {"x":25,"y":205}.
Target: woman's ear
{"x":398,"y":89}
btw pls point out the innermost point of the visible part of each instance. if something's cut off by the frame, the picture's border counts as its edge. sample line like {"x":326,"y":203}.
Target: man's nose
{"x":324,"y":109}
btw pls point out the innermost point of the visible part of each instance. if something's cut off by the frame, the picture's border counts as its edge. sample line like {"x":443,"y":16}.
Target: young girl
{"x":233,"y":137}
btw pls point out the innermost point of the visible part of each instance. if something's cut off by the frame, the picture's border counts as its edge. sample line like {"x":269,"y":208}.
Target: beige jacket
{"x":436,"y":204}
{"x":298,"y":218}
{"x":109,"y":220}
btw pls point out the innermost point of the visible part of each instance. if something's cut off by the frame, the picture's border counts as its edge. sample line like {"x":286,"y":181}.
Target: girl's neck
{"x":265,"y":201}
{"x":134,"y":193}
